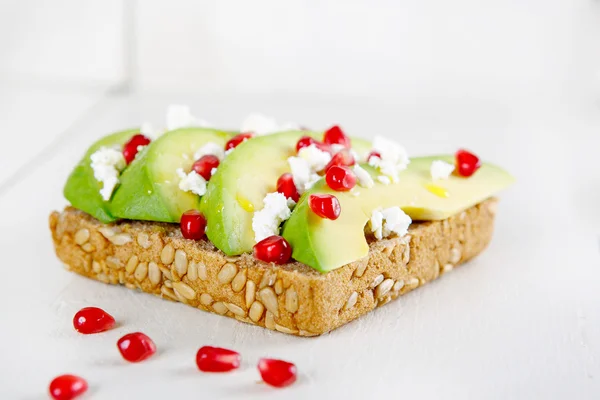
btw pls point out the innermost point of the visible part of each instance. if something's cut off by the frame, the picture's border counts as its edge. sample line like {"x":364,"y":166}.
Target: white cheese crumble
{"x":364,"y":178}
{"x":180,"y":116}
{"x":210,"y":148}
{"x":317,"y":159}
{"x":192,"y":182}
{"x":393,"y":157}
{"x":107,"y":164}
{"x":263,"y":125}
{"x":386,"y":221}
{"x":305,"y":166}
{"x":336,"y":147}
{"x":302,"y":175}
{"x":441,"y":169}
{"x":266,"y":222}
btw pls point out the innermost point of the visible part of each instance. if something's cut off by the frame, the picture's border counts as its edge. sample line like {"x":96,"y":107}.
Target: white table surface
{"x":522,"y":321}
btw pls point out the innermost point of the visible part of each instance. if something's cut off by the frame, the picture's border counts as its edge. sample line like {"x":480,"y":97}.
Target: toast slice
{"x":291,"y":298}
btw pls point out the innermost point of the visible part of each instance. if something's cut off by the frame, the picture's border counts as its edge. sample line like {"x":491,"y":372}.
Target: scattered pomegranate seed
{"x":237,"y":139}
{"x":277,"y":373}
{"x":341,"y":158}
{"x":341,"y":179}
{"x":92,"y":320}
{"x":273,"y":249}
{"x":466,"y":163}
{"x":373,"y":154}
{"x":193,"y":225}
{"x":306,"y":141}
{"x":286,"y":186}
{"x":325,"y":205}
{"x":205,"y":165}
{"x":216,"y":359}
{"x":130,"y":149}
{"x":335,"y":135}
{"x":67,"y":387}
{"x":136,"y":347}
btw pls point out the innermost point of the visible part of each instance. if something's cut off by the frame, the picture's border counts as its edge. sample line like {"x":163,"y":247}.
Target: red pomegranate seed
{"x":306,"y":141}
{"x":335,"y":135}
{"x":277,"y":373}
{"x":373,"y":154}
{"x":237,"y":139}
{"x":193,"y":225}
{"x":136,"y":347}
{"x":466,"y":163}
{"x":286,"y":186}
{"x":325,"y":205}
{"x":273,"y":249}
{"x":341,"y":158}
{"x":205,"y":165}
{"x":341,"y":179}
{"x":131,"y":148}
{"x":92,"y":320}
{"x":67,"y":387}
{"x":216,"y":359}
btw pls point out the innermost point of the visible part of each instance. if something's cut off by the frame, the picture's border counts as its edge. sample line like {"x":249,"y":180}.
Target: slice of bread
{"x":291,"y":298}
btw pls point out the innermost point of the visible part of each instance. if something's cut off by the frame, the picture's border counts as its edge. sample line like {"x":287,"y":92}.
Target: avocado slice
{"x":241,"y":182}
{"x":83,"y":190}
{"x":326,"y":245}
{"x":149,"y":188}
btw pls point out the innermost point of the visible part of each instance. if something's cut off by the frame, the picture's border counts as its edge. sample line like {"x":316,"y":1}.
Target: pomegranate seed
{"x":341,"y":158}
{"x":306,"y":141}
{"x":335,"y":135}
{"x":131,"y":148}
{"x":373,"y":154}
{"x":466,"y":163}
{"x":67,"y":387}
{"x":273,"y":249}
{"x":216,"y":359}
{"x":277,"y":373}
{"x":237,"y":139}
{"x":193,"y":225}
{"x":286,"y":186}
{"x":205,"y":165}
{"x":341,"y":179}
{"x":92,"y":320}
{"x":325,"y":205}
{"x":136,"y":347}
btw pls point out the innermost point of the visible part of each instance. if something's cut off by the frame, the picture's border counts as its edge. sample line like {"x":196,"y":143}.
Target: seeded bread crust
{"x":291,"y":298}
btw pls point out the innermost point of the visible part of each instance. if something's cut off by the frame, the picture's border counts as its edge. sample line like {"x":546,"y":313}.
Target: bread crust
{"x":292,"y":298}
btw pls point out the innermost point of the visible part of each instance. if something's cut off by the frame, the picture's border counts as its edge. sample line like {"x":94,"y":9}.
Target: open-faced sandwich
{"x":296,"y":231}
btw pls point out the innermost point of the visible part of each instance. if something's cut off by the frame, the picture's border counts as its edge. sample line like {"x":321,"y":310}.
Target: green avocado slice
{"x":83,"y":190}
{"x":149,"y":188}
{"x":241,"y":182}
{"x":326,"y":245}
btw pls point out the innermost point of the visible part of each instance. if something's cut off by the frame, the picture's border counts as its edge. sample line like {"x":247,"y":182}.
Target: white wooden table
{"x":522,"y":321}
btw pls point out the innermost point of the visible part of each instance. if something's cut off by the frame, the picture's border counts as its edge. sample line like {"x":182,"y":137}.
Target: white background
{"x":517,"y":81}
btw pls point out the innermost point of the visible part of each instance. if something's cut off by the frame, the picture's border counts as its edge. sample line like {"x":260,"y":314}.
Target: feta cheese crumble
{"x":263,"y":125}
{"x":192,"y":182}
{"x":210,"y":148}
{"x":317,"y":159}
{"x":387,"y":221}
{"x":180,"y":116}
{"x":148,"y":130}
{"x":441,"y":169}
{"x":107,"y":164}
{"x":364,"y":178}
{"x":393,"y":157}
{"x":305,"y":166}
{"x":266,"y":222}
